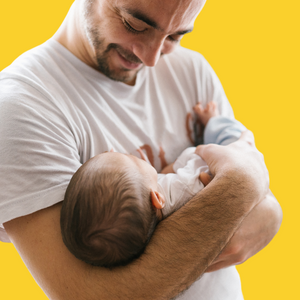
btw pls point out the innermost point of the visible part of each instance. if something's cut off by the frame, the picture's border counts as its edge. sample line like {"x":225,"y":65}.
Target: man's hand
{"x":222,"y":158}
{"x":255,"y":232}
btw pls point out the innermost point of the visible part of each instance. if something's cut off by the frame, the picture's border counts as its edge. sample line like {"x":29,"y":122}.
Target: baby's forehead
{"x":114,"y":159}
{"x":114,"y":156}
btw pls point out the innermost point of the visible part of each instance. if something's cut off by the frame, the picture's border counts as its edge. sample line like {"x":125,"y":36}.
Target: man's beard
{"x":102,"y":57}
{"x":122,"y":74}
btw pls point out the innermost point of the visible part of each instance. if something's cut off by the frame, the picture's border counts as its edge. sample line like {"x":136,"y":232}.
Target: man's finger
{"x":210,"y":154}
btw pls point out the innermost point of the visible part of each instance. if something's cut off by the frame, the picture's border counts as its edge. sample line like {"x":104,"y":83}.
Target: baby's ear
{"x":157,"y":199}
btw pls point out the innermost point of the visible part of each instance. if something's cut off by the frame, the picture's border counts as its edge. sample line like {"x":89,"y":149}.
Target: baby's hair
{"x":107,"y":218}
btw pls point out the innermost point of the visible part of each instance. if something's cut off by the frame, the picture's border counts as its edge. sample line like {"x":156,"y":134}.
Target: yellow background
{"x":253,"y":46}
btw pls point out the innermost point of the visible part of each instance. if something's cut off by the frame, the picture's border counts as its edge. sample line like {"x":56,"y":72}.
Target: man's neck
{"x":71,"y":36}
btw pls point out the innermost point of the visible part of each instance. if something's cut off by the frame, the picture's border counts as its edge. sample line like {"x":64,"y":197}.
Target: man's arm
{"x":172,"y":260}
{"x":255,"y":232}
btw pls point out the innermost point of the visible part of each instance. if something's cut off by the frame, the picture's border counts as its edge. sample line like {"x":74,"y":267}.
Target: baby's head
{"x":110,"y":209}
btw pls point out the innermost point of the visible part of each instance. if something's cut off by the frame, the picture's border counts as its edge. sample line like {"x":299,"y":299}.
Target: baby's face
{"x":131,"y":162}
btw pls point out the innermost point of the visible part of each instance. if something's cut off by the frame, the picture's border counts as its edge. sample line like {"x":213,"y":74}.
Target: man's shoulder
{"x":36,"y":57}
{"x":30,"y":68}
{"x":31,"y":82}
{"x":40,"y":70}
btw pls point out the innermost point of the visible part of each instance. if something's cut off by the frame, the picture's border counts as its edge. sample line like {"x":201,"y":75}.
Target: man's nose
{"x":149,"y":53}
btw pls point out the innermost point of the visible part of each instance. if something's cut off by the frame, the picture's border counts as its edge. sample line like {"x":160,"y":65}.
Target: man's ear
{"x":157,"y":199}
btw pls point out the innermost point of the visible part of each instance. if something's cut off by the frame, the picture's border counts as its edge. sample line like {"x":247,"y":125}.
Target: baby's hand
{"x":204,"y":114}
{"x":205,"y":178}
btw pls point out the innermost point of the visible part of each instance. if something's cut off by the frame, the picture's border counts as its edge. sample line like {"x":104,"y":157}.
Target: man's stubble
{"x":102,"y":52}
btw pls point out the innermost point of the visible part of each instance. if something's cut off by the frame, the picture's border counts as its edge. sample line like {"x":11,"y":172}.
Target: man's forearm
{"x":171,"y":262}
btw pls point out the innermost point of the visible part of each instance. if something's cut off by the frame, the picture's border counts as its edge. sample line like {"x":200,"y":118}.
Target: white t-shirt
{"x":179,"y":187}
{"x":56,"y":113}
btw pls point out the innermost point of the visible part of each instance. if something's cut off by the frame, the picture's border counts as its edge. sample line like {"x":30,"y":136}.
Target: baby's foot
{"x":204,"y":114}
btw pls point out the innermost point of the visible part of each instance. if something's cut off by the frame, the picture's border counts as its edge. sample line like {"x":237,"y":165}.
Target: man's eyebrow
{"x":140,"y":16}
{"x":182,"y":32}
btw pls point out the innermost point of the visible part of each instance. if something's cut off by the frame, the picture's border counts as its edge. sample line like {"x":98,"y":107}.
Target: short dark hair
{"x":107,"y":217}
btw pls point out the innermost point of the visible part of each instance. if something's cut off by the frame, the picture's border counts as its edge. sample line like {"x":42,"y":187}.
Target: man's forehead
{"x":163,"y":14}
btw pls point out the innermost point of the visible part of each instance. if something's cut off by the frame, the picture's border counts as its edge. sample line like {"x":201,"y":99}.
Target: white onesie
{"x":179,"y":187}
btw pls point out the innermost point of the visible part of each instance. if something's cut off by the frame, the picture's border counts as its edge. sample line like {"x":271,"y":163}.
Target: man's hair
{"x":107,"y":217}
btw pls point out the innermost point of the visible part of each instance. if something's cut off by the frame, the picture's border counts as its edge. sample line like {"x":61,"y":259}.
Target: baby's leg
{"x":204,"y":114}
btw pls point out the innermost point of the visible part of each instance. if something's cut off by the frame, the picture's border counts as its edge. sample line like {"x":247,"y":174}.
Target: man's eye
{"x":175,"y":38}
{"x":130,"y":28}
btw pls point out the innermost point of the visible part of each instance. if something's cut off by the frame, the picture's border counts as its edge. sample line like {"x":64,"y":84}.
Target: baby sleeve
{"x":222,"y":130}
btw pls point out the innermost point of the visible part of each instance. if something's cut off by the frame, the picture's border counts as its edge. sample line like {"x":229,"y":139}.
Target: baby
{"x":114,"y":201}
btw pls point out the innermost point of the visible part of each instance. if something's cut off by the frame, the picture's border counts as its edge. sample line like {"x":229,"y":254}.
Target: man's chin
{"x":130,"y":80}
{"x":126,"y":76}
{"x":114,"y":66}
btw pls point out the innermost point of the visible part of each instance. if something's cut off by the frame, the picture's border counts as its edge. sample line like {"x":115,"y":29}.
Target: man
{"x":91,"y":88}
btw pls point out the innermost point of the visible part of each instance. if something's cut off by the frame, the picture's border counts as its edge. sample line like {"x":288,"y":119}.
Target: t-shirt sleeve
{"x":38,"y":151}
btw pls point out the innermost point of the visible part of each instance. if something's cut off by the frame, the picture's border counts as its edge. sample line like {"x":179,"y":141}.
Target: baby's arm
{"x":190,"y":170}
{"x":204,"y":114}
{"x":180,"y":187}
{"x":180,"y":162}
{"x":168,"y":169}
{"x":218,"y":129}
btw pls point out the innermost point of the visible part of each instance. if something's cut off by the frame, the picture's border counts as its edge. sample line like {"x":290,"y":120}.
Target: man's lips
{"x":128,"y":64}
